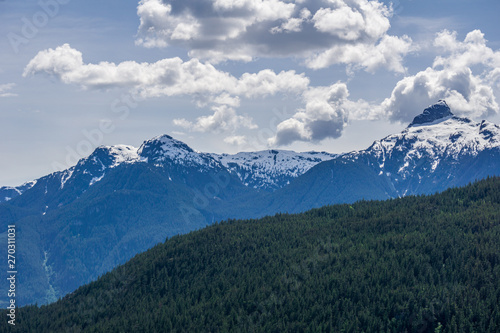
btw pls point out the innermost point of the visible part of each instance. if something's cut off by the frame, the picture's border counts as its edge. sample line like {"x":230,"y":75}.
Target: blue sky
{"x":228,"y":76}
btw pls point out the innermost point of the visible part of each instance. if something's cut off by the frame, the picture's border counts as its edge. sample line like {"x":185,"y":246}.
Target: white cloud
{"x":5,"y":90}
{"x":344,"y":22}
{"x":215,"y":20}
{"x":226,"y":99}
{"x":172,"y":77}
{"x":186,"y":31}
{"x":293,"y":24}
{"x":463,"y":75}
{"x":167,"y":77}
{"x":224,"y":119}
{"x":236,"y":140}
{"x":326,"y":113}
{"x":388,"y":53}
{"x":316,"y":31}
{"x":472,"y":51}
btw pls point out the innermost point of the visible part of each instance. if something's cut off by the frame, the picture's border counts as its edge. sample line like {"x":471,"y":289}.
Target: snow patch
{"x":66,"y":175}
{"x":123,"y":154}
{"x":271,"y":168}
{"x":96,"y":179}
{"x":426,"y":145}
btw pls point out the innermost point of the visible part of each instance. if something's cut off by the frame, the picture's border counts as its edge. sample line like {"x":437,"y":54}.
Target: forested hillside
{"x":417,"y":264}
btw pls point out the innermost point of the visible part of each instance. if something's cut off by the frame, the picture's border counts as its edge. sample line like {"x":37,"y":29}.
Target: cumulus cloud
{"x":165,"y":23}
{"x":463,"y":75}
{"x":343,"y":22}
{"x":224,"y":119}
{"x":326,"y":113}
{"x":172,"y":77}
{"x":388,"y":53}
{"x":293,"y":24}
{"x":236,"y":140}
{"x":322,"y":33}
{"x":5,"y":90}
{"x":167,"y":77}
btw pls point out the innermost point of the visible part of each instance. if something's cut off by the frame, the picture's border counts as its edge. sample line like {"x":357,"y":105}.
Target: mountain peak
{"x":163,"y":144}
{"x":438,"y":111}
{"x":167,"y":142}
{"x":164,"y":149}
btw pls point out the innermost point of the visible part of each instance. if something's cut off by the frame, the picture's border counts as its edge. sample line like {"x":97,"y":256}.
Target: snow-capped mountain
{"x":62,"y":187}
{"x":9,"y":192}
{"x":94,"y":167}
{"x":266,"y":170}
{"x":431,"y":150}
{"x":83,"y":221}
{"x":425,"y":157}
{"x":271,"y":169}
{"x":164,"y":150}
{"x":436,"y":151}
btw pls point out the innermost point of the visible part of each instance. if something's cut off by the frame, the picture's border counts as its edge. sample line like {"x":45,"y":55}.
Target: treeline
{"x":417,"y":264}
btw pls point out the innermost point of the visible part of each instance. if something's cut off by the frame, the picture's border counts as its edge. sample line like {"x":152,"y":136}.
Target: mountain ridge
{"x":164,"y":149}
{"x":273,"y":169}
{"x":420,"y":149}
{"x":121,"y":200}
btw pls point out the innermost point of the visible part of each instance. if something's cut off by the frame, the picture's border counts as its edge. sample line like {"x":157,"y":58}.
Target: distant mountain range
{"x":436,"y":151}
{"x":266,"y":170}
{"x":76,"y":224}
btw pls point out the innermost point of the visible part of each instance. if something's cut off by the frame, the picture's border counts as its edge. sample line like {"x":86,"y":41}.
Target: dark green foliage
{"x":418,"y":264}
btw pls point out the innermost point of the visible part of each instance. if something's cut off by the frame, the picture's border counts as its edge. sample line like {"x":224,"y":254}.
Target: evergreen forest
{"x":414,"y":264}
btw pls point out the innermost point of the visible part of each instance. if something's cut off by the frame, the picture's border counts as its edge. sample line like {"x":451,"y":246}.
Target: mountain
{"x":166,"y":151}
{"x":9,"y":192}
{"x":415,"y":264}
{"x":436,"y":151}
{"x":77,"y":224}
{"x":331,"y":182}
{"x":437,"y":112}
{"x":267,"y":170}
{"x":271,"y":169}
{"x":60,"y":188}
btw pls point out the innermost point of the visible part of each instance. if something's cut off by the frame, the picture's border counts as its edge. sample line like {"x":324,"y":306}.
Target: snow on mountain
{"x":123,"y":154}
{"x":434,"y":138}
{"x":434,"y":144}
{"x":94,"y":166}
{"x":111,"y":156}
{"x":267,"y":170}
{"x":271,"y":169}
{"x":85,"y":173}
{"x":164,"y":150}
{"x":10,"y":192}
